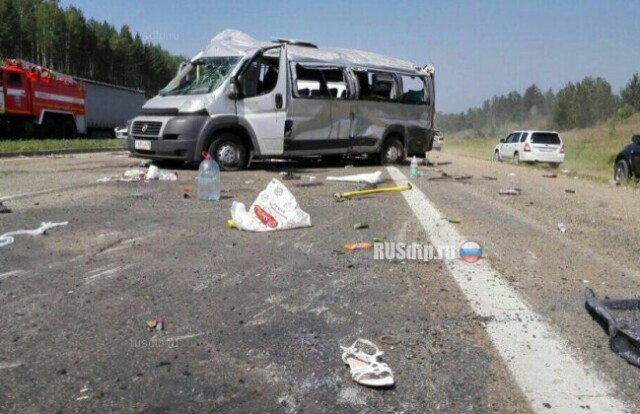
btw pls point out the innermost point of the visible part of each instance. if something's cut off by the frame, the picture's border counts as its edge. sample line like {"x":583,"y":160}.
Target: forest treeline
{"x":577,"y":105}
{"x":42,"y":32}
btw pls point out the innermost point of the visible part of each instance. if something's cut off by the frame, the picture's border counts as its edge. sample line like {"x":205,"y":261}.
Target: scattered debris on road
{"x":562,"y":228}
{"x":455,"y":220}
{"x":510,"y":191}
{"x":349,"y":194}
{"x":288,"y":175}
{"x":445,"y":176}
{"x":366,"y":368}
{"x":623,"y":323}
{"x":275,"y":208}
{"x":389,"y":339}
{"x":550,"y":175}
{"x":359,"y":226}
{"x":568,"y":191}
{"x":378,"y":240}
{"x":8,"y":238}
{"x":186,"y":193}
{"x":4,"y":209}
{"x":358,"y":246}
{"x":140,"y":174}
{"x":369,"y":178}
{"x":489,"y":178}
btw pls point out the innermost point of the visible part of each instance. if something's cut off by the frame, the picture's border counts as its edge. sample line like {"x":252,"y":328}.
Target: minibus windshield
{"x":201,"y":76}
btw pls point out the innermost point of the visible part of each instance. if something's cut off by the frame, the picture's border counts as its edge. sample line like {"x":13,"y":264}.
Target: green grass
{"x":28,"y":145}
{"x":588,"y":152}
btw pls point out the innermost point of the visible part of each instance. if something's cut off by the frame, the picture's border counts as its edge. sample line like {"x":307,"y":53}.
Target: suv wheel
{"x":621,"y":172}
{"x":516,"y":158}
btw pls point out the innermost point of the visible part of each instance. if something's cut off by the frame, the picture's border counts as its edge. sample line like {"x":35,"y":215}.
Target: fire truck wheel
{"x":49,"y":128}
{"x":67,"y":129}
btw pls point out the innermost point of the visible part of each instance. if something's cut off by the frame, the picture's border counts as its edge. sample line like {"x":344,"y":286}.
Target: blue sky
{"x":479,"y":48}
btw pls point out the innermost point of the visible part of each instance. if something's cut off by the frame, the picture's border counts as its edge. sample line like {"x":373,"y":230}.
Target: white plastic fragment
{"x":7,"y":238}
{"x":274,"y":209}
{"x":368,"y":178}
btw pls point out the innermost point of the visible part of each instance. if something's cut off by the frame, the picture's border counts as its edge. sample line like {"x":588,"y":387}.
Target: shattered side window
{"x":309,"y":83}
{"x":376,"y":86}
{"x":201,"y":76}
{"x":413,"y":90}
{"x":261,"y":75}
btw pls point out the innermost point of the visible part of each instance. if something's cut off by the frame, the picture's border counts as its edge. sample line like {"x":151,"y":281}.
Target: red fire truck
{"x":36,"y":101}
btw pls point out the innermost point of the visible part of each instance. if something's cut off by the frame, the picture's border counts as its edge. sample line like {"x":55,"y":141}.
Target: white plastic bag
{"x":274,"y":209}
{"x":368,"y":178}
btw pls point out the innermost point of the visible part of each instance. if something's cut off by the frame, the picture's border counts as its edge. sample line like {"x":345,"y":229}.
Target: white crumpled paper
{"x":274,"y":209}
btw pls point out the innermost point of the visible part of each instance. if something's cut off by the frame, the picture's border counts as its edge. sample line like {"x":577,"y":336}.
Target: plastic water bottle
{"x":208,"y":179}
{"x":413,"y":169}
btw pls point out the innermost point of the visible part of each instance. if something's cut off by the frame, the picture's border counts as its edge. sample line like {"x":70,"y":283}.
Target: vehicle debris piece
{"x":389,"y":339}
{"x":349,"y":194}
{"x":275,"y":208}
{"x":359,"y":226}
{"x":366,"y":368}
{"x":489,"y":178}
{"x":562,"y":228}
{"x":358,"y":246}
{"x":4,"y":209}
{"x":454,"y":220}
{"x":152,"y":324}
{"x":550,"y":175}
{"x":568,"y":191}
{"x":369,"y":178}
{"x":8,"y":238}
{"x":445,"y":176}
{"x":185,"y":193}
{"x":379,"y":240}
{"x":231,"y":224}
{"x":288,"y":175}
{"x":510,"y":191}
{"x":622,"y":317}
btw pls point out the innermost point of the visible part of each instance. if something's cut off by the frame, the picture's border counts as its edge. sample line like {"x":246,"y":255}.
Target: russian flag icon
{"x":470,"y":252}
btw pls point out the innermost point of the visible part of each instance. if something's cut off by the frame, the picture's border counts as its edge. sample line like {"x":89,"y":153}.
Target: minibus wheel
{"x":229,"y":152}
{"x":392,"y":152}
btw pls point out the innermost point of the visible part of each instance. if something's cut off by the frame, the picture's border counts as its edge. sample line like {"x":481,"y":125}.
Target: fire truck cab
{"x":36,"y":101}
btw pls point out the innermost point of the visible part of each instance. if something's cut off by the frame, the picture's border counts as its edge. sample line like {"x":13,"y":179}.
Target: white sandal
{"x":365,"y":368}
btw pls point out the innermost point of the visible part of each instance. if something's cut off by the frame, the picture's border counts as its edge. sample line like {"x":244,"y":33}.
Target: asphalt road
{"x":253,"y":322}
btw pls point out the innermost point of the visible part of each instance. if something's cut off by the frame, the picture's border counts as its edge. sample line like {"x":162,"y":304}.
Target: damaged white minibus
{"x":241,"y":99}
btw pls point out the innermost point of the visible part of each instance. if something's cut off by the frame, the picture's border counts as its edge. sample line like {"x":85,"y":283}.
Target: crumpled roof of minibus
{"x":235,"y":43}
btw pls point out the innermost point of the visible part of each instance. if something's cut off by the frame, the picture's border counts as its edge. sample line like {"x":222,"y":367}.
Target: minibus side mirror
{"x":233,"y":92}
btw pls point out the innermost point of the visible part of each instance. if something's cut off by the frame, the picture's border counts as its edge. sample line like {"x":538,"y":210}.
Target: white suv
{"x":531,"y":146}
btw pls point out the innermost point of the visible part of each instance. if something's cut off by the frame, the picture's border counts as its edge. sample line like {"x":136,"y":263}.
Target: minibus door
{"x":262,"y":101}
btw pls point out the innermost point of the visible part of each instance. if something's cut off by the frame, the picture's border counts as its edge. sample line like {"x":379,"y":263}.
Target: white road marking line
{"x":183,"y":337}
{"x":34,"y":193}
{"x":108,"y":272}
{"x":13,"y":273}
{"x":9,"y":365}
{"x":543,"y":366}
